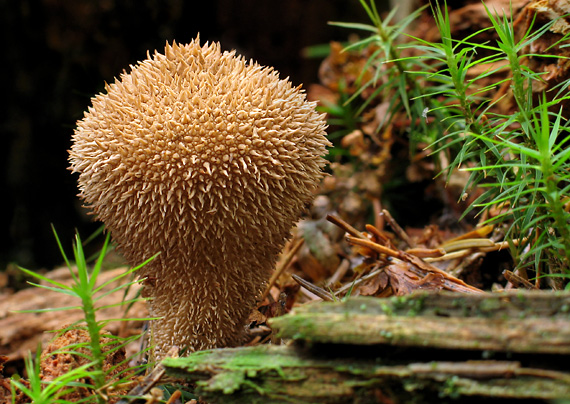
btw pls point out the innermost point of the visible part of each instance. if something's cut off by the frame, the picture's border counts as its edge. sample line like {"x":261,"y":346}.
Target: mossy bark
{"x":282,"y":374}
{"x":531,"y":322}
{"x":399,"y":350}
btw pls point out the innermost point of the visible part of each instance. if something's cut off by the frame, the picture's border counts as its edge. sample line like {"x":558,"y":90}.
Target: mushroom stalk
{"x":209,"y":160}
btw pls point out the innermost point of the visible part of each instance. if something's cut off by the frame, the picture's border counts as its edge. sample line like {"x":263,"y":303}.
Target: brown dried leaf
{"x":374,"y":285}
{"x":403,"y":281}
{"x":256,"y":317}
{"x":318,"y":257}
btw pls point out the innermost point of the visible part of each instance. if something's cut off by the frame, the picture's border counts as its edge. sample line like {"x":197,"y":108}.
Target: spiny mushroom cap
{"x":209,"y":160}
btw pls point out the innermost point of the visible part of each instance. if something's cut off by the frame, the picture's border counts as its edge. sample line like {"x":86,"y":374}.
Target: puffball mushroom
{"x":209,"y":160}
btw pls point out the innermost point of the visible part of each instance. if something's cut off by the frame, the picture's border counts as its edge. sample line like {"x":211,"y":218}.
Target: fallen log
{"x":286,"y":374}
{"x":523,"y":321}
{"x":426,"y":347}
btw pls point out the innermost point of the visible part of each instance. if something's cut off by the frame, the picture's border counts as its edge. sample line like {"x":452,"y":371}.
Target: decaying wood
{"x":285,"y":374}
{"x":421,"y":347}
{"x":529,"y":322}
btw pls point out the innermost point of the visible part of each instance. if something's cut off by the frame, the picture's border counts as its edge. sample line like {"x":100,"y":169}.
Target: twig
{"x":339,"y":273}
{"x":283,"y":264}
{"x":463,"y":248}
{"x":358,"y":281}
{"x":373,"y":246}
{"x":426,"y":252}
{"x":518,"y":281}
{"x":420,"y":264}
{"x":175,"y":397}
{"x":397,"y":229}
{"x":379,"y":219}
{"x":323,"y":294}
{"x":377,"y":233}
{"x":345,"y":226}
{"x":479,"y":232}
{"x":466,"y":244}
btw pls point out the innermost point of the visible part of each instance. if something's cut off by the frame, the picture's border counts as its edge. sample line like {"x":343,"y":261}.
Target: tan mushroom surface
{"x":209,"y":160}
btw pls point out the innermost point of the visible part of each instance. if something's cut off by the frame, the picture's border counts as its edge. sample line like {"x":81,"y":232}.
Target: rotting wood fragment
{"x":283,"y":374}
{"x":523,"y":322}
{"x":425,"y":347}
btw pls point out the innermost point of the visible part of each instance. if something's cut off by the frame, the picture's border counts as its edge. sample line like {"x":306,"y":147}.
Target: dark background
{"x":57,"y":54}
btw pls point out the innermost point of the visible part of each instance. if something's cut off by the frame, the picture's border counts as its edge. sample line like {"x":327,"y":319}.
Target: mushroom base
{"x":205,"y":307}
